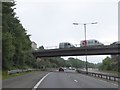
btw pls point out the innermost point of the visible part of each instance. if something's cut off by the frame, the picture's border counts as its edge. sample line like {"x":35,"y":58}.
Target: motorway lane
{"x":73,"y":80}
{"x":58,"y":80}
{"x":24,"y":81}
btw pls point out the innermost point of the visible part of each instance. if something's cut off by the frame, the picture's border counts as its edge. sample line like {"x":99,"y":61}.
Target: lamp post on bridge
{"x":85,"y":24}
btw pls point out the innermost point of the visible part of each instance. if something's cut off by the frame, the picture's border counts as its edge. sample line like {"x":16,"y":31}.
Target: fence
{"x":19,"y":71}
{"x":103,"y":76}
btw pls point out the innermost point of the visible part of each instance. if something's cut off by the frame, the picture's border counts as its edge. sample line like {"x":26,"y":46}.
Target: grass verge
{"x":0,"y":74}
{"x":6,"y":76}
{"x":111,"y":72}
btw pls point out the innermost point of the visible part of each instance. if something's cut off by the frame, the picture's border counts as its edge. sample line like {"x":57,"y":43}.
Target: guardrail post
{"x":92,"y":74}
{"x":95,"y":74}
{"x":109,"y":78}
{"x":114,"y":78}
{"x":106,"y":77}
{"x":98,"y":75}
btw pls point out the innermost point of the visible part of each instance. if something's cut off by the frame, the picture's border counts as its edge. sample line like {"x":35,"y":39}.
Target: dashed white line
{"x":115,"y":84}
{"x":36,"y":86}
{"x":75,"y":80}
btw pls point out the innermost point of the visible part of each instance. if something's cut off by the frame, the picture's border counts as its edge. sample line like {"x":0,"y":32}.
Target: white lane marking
{"x":115,"y":84}
{"x":75,"y":80}
{"x":36,"y":86}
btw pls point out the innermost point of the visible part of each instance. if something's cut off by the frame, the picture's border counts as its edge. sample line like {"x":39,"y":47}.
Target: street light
{"x":85,"y":38}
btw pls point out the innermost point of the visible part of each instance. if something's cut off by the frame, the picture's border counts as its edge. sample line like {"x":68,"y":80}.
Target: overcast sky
{"x":50,"y":21}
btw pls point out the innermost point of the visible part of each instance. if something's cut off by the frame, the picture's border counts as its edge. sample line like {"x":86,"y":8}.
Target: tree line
{"x":16,"y":44}
{"x":55,"y":62}
{"x":110,"y":64}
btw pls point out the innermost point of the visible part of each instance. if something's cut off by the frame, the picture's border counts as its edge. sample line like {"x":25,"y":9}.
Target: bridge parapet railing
{"x":103,"y":76}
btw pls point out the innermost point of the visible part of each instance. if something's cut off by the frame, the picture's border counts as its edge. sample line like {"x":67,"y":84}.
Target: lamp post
{"x":85,"y":38}
{"x":76,"y":46}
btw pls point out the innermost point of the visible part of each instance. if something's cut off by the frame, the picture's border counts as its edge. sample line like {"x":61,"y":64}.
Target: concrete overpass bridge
{"x":79,"y":51}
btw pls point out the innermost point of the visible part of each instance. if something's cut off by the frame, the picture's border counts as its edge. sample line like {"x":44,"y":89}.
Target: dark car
{"x":61,"y":70}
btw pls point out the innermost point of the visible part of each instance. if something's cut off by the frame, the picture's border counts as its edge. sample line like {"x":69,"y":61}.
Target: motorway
{"x":68,"y":79}
{"x":24,"y":81}
{"x":73,"y":80}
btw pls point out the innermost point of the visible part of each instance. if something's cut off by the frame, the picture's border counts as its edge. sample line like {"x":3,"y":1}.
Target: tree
{"x":106,"y":64}
{"x":8,"y":50}
{"x":41,"y":48}
{"x":16,"y":43}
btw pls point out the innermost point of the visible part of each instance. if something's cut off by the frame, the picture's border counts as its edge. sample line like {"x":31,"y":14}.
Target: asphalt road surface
{"x":73,"y":80}
{"x":67,"y":79}
{"x":24,"y":81}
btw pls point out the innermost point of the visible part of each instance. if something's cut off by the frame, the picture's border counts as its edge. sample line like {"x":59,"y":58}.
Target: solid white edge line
{"x":36,"y":86}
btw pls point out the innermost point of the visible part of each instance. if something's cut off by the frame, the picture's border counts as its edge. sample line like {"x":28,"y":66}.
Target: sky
{"x":51,"y":21}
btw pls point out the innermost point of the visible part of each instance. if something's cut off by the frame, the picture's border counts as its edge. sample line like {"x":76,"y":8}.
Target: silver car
{"x":116,"y":43}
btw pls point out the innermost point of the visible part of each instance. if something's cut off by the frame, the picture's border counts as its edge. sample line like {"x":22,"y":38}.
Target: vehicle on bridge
{"x":66,"y":45}
{"x":115,"y":43}
{"x":91,"y":42}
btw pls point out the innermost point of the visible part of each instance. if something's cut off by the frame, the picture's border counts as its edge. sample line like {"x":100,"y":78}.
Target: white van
{"x":66,"y":45}
{"x":91,"y":42}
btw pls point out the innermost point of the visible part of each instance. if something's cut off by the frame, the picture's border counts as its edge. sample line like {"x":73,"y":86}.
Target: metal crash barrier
{"x":103,"y":76}
{"x":19,"y":71}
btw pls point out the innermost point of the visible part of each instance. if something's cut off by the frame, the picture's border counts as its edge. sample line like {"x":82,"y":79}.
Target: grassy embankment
{"x":111,"y":72}
{"x":6,"y":76}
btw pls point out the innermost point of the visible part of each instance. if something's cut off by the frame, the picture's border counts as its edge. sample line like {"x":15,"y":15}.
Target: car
{"x":65,"y":68}
{"x":91,"y":42}
{"x":115,"y":43}
{"x":61,"y":70}
{"x":65,"y":45}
